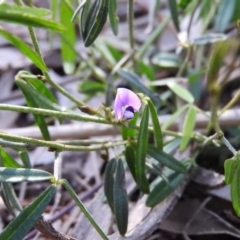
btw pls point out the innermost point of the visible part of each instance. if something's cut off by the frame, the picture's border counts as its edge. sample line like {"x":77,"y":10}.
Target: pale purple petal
{"x":128,"y":114}
{"x":133,"y":100}
{"x":125,"y":98}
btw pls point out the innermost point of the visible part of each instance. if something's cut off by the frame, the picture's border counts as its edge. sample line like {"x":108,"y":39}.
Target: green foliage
{"x":19,"y":227}
{"x":94,"y":21}
{"x":163,"y":189}
{"x":24,"y":48}
{"x":68,"y":39}
{"x":108,"y":64}
{"x":115,"y":192}
{"x":232,"y":177}
{"x":14,"y":175}
{"x":28,"y":16}
{"x":141,"y":150}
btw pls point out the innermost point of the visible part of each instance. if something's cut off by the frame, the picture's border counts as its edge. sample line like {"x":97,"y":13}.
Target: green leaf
{"x":166,"y":159}
{"x":235,"y":189}
{"x":14,"y":175}
{"x":11,"y":196}
{"x":24,"y":10}
{"x":216,"y":61}
{"x":8,"y":160}
{"x":145,"y":69}
{"x":25,"y":159}
{"x":142,"y":142}
{"x":24,"y":48}
{"x":131,"y":160}
{"x":120,"y":199}
{"x":188,"y":127}
{"x":156,"y":126}
{"x":163,"y":190}
{"x":91,"y":87}
{"x":224,"y":15}
{"x":113,"y":17}
{"x":172,"y":145}
{"x":181,"y":92}
{"x":109,"y":182}
{"x":31,"y":102}
{"x":68,"y":39}
{"x":85,"y":8}
{"x":133,"y":79}
{"x":95,"y":21}
{"x":38,"y":85}
{"x":230,"y":167}
{"x":6,"y":200}
{"x":20,"y":226}
{"x":209,"y":38}
{"x":166,"y":60}
{"x":28,"y":18}
{"x":174,"y":13}
{"x":184,"y":3}
{"x":39,"y":92}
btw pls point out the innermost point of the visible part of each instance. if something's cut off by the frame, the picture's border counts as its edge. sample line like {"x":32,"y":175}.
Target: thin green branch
{"x":131,"y":27}
{"x":56,"y":145}
{"x":57,"y":114}
{"x":214,"y":120}
{"x":232,"y":102}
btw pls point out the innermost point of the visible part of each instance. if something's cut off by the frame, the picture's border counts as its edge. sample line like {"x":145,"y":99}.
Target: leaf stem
{"x":83,"y":209}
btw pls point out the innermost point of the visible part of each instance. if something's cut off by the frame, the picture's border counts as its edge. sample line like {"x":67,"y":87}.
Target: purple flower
{"x":126,"y":104}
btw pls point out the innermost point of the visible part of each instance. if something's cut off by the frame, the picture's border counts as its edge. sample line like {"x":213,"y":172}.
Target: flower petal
{"x":125,"y":98}
{"x":128,"y":113}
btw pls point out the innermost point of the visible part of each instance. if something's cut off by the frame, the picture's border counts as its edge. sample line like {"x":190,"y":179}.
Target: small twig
{"x":48,"y":231}
{"x":194,"y":216}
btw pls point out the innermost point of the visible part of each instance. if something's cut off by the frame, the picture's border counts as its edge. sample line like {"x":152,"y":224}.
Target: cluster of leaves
{"x":141,"y":156}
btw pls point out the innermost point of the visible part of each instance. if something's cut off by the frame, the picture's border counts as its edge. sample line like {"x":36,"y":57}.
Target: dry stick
{"x":87,"y":130}
{"x":194,"y":216}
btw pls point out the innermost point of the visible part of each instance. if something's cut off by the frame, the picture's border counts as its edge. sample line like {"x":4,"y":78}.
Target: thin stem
{"x":83,"y":209}
{"x":9,"y":144}
{"x":229,"y":146}
{"x":57,"y":114}
{"x":214,"y":112}
{"x":230,"y":103}
{"x":131,"y":27}
{"x":185,"y":63}
{"x":130,"y":22}
{"x":215,"y":122}
{"x":58,"y":146}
